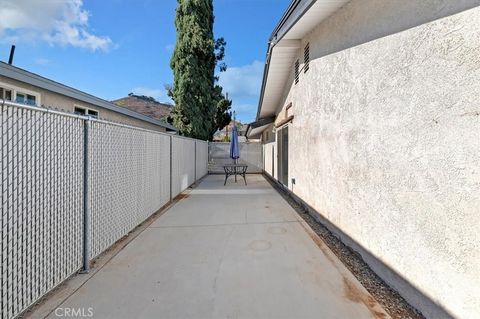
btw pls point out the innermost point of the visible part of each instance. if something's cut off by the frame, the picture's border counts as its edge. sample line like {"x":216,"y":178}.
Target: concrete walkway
{"x":225,"y":252}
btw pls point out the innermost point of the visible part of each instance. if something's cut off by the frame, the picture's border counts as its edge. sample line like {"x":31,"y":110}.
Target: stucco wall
{"x":65,"y":103}
{"x":269,"y":158}
{"x":385,"y":143}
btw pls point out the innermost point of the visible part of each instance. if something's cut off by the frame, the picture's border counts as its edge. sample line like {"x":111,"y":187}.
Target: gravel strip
{"x":389,"y":299}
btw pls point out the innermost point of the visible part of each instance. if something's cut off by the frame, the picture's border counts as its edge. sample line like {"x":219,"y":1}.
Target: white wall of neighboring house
{"x":385,"y":143}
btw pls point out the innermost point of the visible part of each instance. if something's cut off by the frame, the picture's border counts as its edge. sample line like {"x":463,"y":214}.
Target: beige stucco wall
{"x":61,"y":102}
{"x":269,"y":151}
{"x":269,"y":158}
{"x":385,"y":143}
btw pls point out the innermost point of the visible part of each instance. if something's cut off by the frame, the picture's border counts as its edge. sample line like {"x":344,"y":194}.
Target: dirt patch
{"x":352,"y":293}
{"x":181,"y":196}
{"x":320,"y":244}
{"x":388,"y":298}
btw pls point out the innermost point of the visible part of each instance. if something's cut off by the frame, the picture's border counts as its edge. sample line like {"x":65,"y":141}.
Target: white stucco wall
{"x":385,"y":143}
{"x":268,"y":158}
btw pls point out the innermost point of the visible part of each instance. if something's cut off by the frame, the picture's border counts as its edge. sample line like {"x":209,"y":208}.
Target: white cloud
{"x":42,"y":61}
{"x":57,"y":22}
{"x":170,"y":47}
{"x":243,"y":81}
{"x":158,"y":94}
{"x":243,"y":84}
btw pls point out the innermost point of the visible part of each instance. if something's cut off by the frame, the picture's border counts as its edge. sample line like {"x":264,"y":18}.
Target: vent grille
{"x":297,"y":71}
{"x":306,"y":58}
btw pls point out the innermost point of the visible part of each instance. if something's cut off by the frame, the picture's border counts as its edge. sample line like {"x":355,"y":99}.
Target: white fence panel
{"x":42,"y":204}
{"x":129,"y":175}
{"x":201,"y":159}
{"x":183,"y":164}
{"x":250,"y":154}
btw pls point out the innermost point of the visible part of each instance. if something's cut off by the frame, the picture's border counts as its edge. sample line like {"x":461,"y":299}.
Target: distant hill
{"x":145,"y":105}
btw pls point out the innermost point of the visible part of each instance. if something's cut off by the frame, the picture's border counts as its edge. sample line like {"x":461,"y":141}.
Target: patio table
{"x":235,"y":169}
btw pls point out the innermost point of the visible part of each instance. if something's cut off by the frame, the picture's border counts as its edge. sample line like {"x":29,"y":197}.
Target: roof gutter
{"x":295,"y":11}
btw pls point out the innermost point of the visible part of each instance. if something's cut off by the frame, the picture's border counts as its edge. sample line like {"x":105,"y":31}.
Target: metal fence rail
{"x":129,"y":174}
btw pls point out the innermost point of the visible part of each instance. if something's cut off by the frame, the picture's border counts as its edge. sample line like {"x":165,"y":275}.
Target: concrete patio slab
{"x":225,"y":252}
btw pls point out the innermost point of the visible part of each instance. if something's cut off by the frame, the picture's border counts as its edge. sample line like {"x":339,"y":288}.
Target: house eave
{"x":301,"y":17}
{"x":257,"y":127}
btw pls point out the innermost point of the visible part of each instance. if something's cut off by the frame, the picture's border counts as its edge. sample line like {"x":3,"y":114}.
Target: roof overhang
{"x":256,"y":128}
{"x":256,"y":133}
{"x":301,"y":17}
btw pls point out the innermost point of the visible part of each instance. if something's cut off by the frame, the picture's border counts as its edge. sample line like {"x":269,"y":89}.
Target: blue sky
{"x":112,"y":47}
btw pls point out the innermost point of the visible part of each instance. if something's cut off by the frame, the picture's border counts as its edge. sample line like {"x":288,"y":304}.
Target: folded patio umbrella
{"x":234,"y":147}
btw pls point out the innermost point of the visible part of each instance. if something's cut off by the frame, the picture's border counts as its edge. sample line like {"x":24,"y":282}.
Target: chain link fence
{"x":72,"y":187}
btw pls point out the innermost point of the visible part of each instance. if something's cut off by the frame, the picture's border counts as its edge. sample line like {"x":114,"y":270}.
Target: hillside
{"x":145,"y":105}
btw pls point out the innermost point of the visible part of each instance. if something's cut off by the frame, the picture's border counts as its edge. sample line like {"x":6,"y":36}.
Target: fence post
{"x":86,"y":200}
{"x":171,"y":167}
{"x":195,"y":161}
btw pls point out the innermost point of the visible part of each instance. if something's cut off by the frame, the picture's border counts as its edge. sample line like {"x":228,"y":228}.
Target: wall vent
{"x":306,"y":58}
{"x":297,"y":71}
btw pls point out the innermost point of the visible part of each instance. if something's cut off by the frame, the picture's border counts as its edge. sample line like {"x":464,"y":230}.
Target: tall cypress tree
{"x":193,"y":64}
{"x":200,"y":108}
{"x":222,"y":115}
